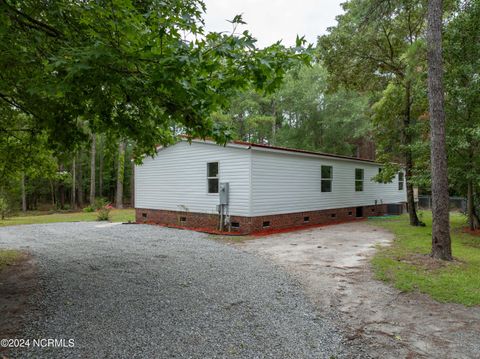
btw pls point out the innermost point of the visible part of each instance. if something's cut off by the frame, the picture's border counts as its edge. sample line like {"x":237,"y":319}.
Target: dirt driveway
{"x":331,"y":263}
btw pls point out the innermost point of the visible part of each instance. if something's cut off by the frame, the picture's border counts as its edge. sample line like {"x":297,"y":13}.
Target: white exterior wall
{"x":176,"y":179}
{"x":261,"y":182}
{"x":289,"y":183}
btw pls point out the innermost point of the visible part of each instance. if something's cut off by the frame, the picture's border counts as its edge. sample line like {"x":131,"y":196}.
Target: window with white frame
{"x":212,"y":177}
{"x":358,"y":179}
{"x":327,"y":178}
{"x":401,"y":180}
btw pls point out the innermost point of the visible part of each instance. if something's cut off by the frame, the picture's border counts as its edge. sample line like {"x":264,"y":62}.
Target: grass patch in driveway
{"x":8,"y":257}
{"x":116,"y":215}
{"x":407,"y":264}
{"x":231,"y":239}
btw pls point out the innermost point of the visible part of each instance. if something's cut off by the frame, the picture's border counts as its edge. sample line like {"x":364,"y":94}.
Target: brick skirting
{"x":248,"y":225}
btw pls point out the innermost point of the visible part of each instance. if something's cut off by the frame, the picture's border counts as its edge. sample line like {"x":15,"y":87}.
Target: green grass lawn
{"x":8,"y":257}
{"x":116,"y":215}
{"x":407,"y":265}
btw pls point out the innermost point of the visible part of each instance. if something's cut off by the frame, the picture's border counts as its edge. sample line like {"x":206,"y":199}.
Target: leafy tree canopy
{"x":131,"y":67}
{"x":316,"y":119}
{"x":373,"y":42}
{"x":302,"y":113}
{"x":378,"y":47}
{"x":462,"y":84}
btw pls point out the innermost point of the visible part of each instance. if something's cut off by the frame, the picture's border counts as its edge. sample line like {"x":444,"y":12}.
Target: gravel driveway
{"x":140,"y":291}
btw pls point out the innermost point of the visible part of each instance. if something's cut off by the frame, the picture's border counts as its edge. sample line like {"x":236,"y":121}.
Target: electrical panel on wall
{"x":223,"y":191}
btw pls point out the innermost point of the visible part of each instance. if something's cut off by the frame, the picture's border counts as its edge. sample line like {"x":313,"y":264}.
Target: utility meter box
{"x":223,"y":192}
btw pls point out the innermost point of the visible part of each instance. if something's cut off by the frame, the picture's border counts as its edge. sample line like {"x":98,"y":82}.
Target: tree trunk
{"x":52,"y":191}
{"x":241,"y":130}
{"x":120,"y":174}
{"x":473,"y":221}
{"x":80,"y":182}
{"x":100,"y":168}
{"x":3,"y":208}
{"x":92,"y":170}
{"x":74,"y":184}
{"x":441,"y":244}
{"x":407,"y":141}
{"x":132,"y":186}
{"x":470,"y":205}
{"x":412,"y":211}
{"x":61,"y":191}
{"x":274,"y":124}
{"x":24,"y":194}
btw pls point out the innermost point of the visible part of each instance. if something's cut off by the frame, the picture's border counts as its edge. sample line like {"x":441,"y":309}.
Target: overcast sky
{"x":272,"y":20}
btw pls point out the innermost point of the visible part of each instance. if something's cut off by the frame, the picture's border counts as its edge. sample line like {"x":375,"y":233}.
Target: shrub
{"x":89,"y":209}
{"x":100,"y":203}
{"x":104,"y":213}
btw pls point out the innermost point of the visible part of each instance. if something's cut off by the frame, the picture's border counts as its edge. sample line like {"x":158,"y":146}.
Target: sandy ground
{"x":17,"y":283}
{"x":331,"y":262}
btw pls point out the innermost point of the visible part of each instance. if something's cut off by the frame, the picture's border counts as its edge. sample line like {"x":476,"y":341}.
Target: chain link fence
{"x":456,"y":203}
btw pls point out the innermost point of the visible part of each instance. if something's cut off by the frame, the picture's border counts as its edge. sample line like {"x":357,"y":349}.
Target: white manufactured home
{"x":246,"y":187}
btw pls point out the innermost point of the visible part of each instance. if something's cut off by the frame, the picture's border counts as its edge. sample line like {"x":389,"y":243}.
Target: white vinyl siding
{"x":262,"y":182}
{"x":176,"y":179}
{"x":289,"y":183}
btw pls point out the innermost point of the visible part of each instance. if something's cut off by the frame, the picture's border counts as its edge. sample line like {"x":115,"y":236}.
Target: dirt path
{"x":331,"y":263}
{"x":17,"y":283}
